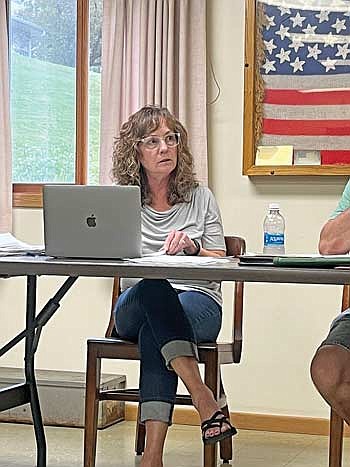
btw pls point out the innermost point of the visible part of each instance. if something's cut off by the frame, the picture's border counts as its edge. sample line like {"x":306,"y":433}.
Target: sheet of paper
{"x":307,"y":157}
{"x":274,"y":155}
{"x":170,"y":260}
{"x":10,"y":245}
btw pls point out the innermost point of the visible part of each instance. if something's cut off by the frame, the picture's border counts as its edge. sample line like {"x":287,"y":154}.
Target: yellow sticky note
{"x":274,"y":155}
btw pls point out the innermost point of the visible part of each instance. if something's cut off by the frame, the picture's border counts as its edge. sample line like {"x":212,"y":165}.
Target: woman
{"x":168,"y":318}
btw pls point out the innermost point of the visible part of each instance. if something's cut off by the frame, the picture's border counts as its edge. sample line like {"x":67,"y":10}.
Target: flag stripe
{"x":306,"y":82}
{"x":341,"y":5}
{"x":307,"y":97}
{"x":306,"y":127}
{"x":307,"y":142}
{"x":335,"y":157}
{"x":310,"y":112}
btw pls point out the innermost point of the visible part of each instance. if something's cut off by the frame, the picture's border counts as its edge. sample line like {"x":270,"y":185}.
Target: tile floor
{"x":183,"y":448}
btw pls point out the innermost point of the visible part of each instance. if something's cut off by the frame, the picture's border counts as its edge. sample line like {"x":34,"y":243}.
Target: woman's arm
{"x":178,"y":241}
{"x":202,"y":251}
{"x":209,"y":238}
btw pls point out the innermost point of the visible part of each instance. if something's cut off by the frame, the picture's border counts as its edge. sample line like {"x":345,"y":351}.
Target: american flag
{"x":306,"y":72}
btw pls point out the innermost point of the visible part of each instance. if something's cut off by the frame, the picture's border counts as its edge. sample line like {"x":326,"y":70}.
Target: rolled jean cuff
{"x":178,"y":348}
{"x":156,"y":410}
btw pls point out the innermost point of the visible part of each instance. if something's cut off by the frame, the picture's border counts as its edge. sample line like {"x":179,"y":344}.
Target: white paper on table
{"x":10,"y":245}
{"x":163,"y":259}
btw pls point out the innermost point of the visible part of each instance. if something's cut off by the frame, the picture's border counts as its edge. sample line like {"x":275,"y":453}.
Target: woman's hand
{"x":177,"y":241}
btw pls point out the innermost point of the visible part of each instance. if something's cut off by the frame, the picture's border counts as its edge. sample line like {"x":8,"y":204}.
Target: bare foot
{"x":207,"y":406}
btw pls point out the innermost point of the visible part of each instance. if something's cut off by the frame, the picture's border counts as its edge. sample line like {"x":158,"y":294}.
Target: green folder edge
{"x":311,"y":262}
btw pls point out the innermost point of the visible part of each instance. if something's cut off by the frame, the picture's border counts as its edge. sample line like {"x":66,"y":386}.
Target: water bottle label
{"x":273,"y":239}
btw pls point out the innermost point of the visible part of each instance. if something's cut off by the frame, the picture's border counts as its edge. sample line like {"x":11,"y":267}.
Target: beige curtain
{"x":154,"y":52}
{"x":5,"y":133}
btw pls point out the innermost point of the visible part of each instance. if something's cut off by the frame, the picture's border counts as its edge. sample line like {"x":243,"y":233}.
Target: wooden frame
{"x":249,"y":143}
{"x":30,"y":194}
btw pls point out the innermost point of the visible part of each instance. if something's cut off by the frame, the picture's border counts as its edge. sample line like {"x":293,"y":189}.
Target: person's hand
{"x":177,"y":241}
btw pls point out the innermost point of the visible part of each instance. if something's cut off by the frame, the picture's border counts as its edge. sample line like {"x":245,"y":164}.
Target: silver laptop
{"x":92,"y":221}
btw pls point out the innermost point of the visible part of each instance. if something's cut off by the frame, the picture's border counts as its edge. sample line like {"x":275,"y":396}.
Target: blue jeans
{"x":166,"y":323}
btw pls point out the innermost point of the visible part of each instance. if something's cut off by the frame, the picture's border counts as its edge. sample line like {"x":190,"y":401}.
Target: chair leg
{"x":212,"y":380}
{"x":336,"y":429}
{"x":93,"y":374}
{"x":140,"y":435}
{"x":226,"y":444}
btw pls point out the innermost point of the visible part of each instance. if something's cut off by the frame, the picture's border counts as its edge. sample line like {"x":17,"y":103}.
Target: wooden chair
{"x":211,"y":354}
{"x":336,"y":427}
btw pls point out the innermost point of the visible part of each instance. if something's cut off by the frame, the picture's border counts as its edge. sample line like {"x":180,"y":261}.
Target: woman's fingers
{"x":168,"y":240}
{"x":176,"y":242}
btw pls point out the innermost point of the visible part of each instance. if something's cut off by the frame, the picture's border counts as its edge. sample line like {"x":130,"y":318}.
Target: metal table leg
{"x":30,"y":374}
{"x":27,"y":392}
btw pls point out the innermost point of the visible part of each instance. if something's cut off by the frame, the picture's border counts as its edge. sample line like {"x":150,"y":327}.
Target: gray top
{"x":200,"y":219}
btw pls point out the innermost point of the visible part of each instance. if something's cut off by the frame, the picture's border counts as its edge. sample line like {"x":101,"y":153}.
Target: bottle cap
{"x":274,"y":206}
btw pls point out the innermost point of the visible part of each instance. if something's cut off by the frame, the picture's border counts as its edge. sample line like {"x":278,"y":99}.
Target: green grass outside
{"x":43,"y":121}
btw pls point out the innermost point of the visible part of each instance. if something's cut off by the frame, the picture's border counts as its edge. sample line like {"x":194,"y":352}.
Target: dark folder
{"x":255,"y":260}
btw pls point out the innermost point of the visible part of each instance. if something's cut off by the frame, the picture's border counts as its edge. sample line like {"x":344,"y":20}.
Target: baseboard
{"x":252,"y":421}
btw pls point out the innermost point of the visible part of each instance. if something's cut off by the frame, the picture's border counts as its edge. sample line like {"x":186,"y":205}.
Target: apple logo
{"x":91,"y":221}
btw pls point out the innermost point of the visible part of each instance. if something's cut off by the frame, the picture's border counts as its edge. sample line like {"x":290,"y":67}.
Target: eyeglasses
{"x":153,"y":142}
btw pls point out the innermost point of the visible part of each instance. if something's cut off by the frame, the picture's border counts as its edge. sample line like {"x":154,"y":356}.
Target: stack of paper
{"x":179,"y":260}
{"x":10,"y":245}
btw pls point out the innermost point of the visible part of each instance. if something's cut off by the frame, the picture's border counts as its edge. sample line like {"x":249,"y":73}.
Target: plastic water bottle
{"x":274,"y":226}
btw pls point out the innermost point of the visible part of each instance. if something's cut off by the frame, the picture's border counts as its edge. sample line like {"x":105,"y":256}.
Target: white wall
{"x":283,"y":323}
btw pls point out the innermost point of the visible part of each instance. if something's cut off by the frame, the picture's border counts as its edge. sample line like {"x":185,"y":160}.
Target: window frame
{"x":30,"y":194}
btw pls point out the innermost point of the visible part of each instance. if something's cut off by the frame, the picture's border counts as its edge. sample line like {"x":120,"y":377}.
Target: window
{"x":55,"y":114}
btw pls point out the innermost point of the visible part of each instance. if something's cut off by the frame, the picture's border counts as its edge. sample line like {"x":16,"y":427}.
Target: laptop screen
{"x":83,"y":221}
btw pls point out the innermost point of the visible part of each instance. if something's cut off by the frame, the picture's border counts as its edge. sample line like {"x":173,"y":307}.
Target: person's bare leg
{"x":155,"y":437}
{"x":187,"y":369}
{"x":330,"y":372}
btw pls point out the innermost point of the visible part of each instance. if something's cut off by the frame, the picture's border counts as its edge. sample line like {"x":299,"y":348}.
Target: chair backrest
{"x":234,"y":246}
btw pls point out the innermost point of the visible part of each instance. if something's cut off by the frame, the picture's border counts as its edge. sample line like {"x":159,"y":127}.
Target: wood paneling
{"x":252,"y":421}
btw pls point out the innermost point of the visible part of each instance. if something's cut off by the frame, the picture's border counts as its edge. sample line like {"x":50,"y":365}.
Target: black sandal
{"x":217,"y":421}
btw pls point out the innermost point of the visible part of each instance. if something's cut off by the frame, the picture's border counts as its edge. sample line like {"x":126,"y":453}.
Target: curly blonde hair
{"x":127,"y":169}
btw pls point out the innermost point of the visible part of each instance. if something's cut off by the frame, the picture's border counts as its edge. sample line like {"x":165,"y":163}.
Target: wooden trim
{"x":82,"y":92}
{"x":252,"y":421}
{"x":274,"y":170}
{"x":27,"y":195}
{"x":249,"y":87}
